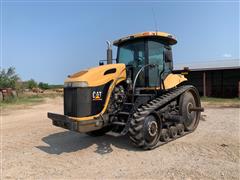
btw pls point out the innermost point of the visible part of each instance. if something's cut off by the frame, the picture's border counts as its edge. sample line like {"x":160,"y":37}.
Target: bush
{"x":8,"y":78}
{"x":43,"y":85}
{"x":32,"y":84}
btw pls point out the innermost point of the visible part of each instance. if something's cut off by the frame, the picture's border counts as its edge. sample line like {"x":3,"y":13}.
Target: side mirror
{"x":168,"y":55}
{"x":101,"y":63}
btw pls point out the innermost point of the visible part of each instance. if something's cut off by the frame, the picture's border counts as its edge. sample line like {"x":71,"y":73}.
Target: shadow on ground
{"x":67,"y":142}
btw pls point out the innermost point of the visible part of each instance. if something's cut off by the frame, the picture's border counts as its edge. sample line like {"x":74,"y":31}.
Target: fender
{"x":172,"y":80}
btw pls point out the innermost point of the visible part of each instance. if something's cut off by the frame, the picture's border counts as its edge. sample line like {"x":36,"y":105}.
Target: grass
{"x":39,"y":98}
{"x":220,"y":100}
{"x":233,"y":102}
{"x":26,"y":99}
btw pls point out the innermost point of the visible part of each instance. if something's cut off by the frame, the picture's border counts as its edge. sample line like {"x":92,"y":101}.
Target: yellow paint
{"x":95,"y":76}
{"x":172,"y":80}
{"x":168,"y":37}
{"x":97,"y":97}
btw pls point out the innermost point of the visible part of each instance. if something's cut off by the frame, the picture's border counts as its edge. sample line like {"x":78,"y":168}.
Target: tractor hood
{"x":97,"y":76}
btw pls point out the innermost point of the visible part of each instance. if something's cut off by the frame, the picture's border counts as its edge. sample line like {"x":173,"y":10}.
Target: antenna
{"x":155,"y":21}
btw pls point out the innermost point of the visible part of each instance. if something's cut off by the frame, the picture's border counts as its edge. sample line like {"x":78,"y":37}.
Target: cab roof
{"x":168,"y":38}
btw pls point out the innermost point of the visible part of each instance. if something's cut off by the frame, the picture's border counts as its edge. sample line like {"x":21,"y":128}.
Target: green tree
{"x":31,"y":84}
{"x":43,"y":85}
{"x":8,"y":78}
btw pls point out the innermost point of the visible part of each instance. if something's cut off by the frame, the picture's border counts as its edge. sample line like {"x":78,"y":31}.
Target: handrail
{"x":135,"y":80}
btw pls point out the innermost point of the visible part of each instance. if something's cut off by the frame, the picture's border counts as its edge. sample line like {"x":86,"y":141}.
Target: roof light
{"x":146,"y":33}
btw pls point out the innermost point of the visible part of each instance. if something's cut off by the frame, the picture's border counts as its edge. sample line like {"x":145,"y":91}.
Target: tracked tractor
{"x":138,"y":95}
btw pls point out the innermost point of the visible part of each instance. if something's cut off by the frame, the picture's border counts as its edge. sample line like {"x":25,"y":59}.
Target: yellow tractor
{"x":138,"y":96}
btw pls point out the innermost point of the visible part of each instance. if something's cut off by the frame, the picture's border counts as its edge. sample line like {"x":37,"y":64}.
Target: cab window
{"x":155,"y":56}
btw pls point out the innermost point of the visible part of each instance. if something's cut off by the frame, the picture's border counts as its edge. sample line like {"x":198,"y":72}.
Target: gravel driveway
{"x":34,"y":149}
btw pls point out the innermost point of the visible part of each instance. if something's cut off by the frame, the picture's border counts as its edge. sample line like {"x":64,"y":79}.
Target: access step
{"x":114,"y":134}
{"x":123,"y":113}
{"x":128,"y":104}
{"x":119,"y":123}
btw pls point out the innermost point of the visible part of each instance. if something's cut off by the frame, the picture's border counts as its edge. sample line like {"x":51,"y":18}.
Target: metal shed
{"x":215,"y":79}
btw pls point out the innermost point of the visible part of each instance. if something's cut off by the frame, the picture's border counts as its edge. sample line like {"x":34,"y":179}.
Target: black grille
{"x":77,"y":102}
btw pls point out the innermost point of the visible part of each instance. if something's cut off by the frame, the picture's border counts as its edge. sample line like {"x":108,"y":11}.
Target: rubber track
{"x":137,"y":121}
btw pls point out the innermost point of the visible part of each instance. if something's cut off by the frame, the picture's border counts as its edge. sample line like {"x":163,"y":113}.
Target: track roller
{"x":173,"y":132}
{"x":164,"y":135}
{"x":180,"y":129}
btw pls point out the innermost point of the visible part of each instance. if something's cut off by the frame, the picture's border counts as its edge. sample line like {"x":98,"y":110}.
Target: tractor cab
{"x":148,"y":48}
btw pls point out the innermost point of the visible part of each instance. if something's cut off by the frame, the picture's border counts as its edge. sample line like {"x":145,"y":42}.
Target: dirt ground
{"x":34,"y":149}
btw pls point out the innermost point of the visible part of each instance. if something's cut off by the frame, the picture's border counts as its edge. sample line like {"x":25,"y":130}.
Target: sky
{"x":48,"y":40}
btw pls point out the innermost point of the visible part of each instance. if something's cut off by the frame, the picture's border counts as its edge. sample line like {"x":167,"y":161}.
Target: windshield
{"x":133,"y":54}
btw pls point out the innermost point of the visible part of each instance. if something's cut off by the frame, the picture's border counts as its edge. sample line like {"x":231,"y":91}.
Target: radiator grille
{"x":77,"y":102}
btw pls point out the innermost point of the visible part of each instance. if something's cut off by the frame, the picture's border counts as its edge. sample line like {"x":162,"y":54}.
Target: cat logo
{"x":97,"y":95}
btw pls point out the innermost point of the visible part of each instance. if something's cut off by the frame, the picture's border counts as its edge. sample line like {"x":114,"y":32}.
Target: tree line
{"x":10,"y":79}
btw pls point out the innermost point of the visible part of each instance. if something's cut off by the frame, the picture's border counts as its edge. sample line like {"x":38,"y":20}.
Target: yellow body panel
{"x":172,"y":80}
{"x":95,"y":77}
{"x":168,"y":37}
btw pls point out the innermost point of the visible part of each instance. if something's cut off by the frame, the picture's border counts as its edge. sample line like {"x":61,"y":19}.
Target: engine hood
{"x":100,"y":75}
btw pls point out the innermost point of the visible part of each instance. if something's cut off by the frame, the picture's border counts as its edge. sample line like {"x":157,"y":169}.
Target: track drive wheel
{"x":190,"y":99}
{"x":145,"y":133}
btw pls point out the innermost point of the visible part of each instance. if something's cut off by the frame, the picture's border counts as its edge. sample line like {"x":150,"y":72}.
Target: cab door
{"x":155,"y":56}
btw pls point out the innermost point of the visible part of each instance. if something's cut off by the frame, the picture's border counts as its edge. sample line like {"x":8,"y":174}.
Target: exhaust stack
{"x":109,"y":52}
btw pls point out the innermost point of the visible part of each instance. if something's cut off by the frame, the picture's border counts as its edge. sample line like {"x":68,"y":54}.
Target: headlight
{"x":67,"y":84}
{"x":76,"y":84}
{"x":80,"y":84}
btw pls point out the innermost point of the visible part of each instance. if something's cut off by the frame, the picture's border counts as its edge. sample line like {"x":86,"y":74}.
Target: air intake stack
{"x":109,"y":53}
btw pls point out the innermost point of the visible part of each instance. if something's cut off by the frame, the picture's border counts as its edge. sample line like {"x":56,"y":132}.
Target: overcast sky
{"x":48,"y":40}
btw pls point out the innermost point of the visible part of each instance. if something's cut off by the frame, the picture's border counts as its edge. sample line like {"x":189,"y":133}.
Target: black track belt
{"x":156,"y":105}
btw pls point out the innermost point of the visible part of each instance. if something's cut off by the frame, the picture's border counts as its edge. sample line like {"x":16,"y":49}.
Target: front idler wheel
{"x":145,"y":132}
{"x":151,"y":131}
